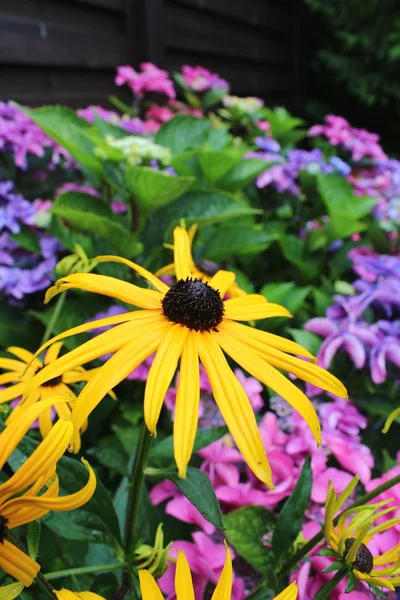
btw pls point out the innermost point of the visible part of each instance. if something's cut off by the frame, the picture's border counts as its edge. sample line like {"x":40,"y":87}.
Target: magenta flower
{"x":200,"y":79}
{"x":149,"y":79}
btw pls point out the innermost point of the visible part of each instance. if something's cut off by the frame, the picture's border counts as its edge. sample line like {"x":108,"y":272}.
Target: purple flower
{"x":150,"y":79}
{"x":340,"y":166}
{"x":388,"y":348}
{"x":200,"y":79}
{"x":133,"y":125}
{"x":14,"y":209}
{"x":267,"y":144}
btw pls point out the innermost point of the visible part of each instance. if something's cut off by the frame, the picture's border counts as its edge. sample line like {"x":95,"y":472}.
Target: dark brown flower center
{"x":194,"y":304}
{"x":208,"y":267}
{"x":364,"y":561}
{"x":3,"y":528}
{"x":52,"y":382}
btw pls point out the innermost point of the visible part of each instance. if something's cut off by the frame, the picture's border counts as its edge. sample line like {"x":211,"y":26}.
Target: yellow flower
{"x":203,"y":270}
{"x":67,"y":595}
{"x":10,"y":592}
{"x":20,"y":502}
{"x":184,"y":584}
{"x":355,"y":529}
{"x":20,"y":372}
{"x":188,"y":322}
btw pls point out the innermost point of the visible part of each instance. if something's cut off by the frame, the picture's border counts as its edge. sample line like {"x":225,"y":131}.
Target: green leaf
{"x":17,"y":328}
{"x":344,"y":207}
{"x":203,"y":208}
{"x":217,"y":164}
{"x":152,"y":189}
{"x":245,"y":529}
{"x":198,"y":490}
{"x":183,"y":133}
{"x":204,"y":437}
{"x":288,"y":294}
{"x":351,"y":582}
{"x":212,"y":97}
{"x":63,"y":125}
{"x":291,"y":517}
{"x":236,"y":240}
{"x":110,"y":452}
{"x":91,"y":215}
{"x":33,"y":538}
{"x":27,"y":239}
{"x":96,"y":521}
{"x":243,"y":173}
{"x":284,"y":126}
{"x":309,"y":340}
{"x":336,"y":566}
{"x":293,"y":249}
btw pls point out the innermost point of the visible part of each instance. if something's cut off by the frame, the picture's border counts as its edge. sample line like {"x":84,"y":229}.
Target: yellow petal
{"x":12,"y":365}
{"x":20,"y":513}
{"x":9,"y":377}
{"x":167,"y":270}
{"x":269,"y":339}
{"x":46,"y":454}
{"x":148,"y":587}
{"x":378,"y":581}
{"x":157,"y":283}
{"x":9,"y":592}
{"x":20,"y":353}
{"x":107,"y":286}
{"x":46,"y":421}
{"x":224,"y":586}
{"x":52,"y":353}
{"x":235,"y":406}
{"x":290,"y":593}
{"x":89,"y":596}
{"x":262,"y":370}
{"x":390,"y":420}
{"x":253,"y":307}
{"x":304,"y":370}
{"x":116,"y":369}
{"x":187,"y":404}
{"x":161,"y":373}
{"x":182,"y":254}
{"x":183,"y":579}
{"x":106,"y":342}
{"x":70,"y":502}
{"x":15,"y":431}
{"x":12,"y":392}
{"x":18,"y":564}
{"x":222,"y":281}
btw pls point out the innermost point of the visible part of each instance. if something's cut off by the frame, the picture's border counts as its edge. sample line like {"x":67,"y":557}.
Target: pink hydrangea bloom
{"x":149,"y":79}
{"x":200,"y":79}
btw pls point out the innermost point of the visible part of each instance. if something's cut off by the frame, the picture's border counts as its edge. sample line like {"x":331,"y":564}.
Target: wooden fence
{"x":66,"y":51}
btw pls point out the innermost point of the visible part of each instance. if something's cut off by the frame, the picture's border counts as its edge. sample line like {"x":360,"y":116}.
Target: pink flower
{"x":162,"y":114}
{"x":220,"y":462}
{"x":206,"y":559}
{"x":200,"y":79}
{"x":150,"y":79}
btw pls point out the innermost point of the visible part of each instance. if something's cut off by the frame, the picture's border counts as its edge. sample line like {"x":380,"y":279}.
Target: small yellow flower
{"x":153,"y":558}
{"x":20,"y":502}
{"x":188,"y":322}
{"x":68,"y":595}
{"x":354,"y":530}
{"x":203,"y":270}
{"x":20,"y":372}
{"x":184,"y":584}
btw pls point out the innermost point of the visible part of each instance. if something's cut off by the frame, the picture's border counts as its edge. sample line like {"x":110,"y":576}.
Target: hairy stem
{"x":84,"y":570}
{"x":53,"y":319}
{"x":325,"y":592}
{"x":304,"y":550}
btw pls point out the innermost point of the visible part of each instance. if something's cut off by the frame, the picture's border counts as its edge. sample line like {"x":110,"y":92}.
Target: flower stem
{"x":53,"y":319}
{"x":84,"y":570}
{"x":135,"y":490}
{"x":40,"y":578}
{"x":304,"y":550}
{"x":325,"y":592}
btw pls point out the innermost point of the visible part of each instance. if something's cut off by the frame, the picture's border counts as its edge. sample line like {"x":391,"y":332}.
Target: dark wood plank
{"x":51,"y":12}
{"x":145,"y":31}
{"x":34,"y":43}
{"x":251,"y":12}
{"x":116,"y":5}
{"x":244,"y":78}
{"x":212,"y":35}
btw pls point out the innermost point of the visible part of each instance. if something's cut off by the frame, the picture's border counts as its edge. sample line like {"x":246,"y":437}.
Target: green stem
{"x":83,"y":570}
{"x":325,"y":592}
{"x":40,"y":578}
{"x":304,"y":550}
{"x":54,"y":317}
{"x":135,"y":490}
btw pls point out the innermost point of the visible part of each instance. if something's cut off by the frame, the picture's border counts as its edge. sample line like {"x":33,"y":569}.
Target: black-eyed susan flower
{"x":355,"y":529}
{"x":33,"y":490}
{"x":21,"y":369}
{"x":184,"y":585}
{"x":204,"y":270}
{"x":188,"y":322}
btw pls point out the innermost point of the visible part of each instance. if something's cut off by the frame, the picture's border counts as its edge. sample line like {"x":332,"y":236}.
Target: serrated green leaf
{"x":216,"y":164}
{"x":243,"y":173}
{"x":91,"y":215}
{"x":245,"y":529}
{"x":291,"y":517}
{"x":153,"y":189}
{"x":239,"y":240}
{"x":183,"y":133}
{"x":33,"y":538}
